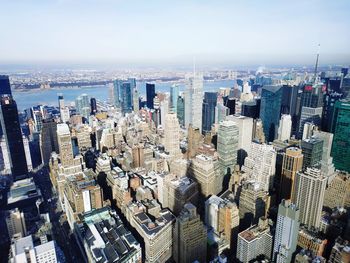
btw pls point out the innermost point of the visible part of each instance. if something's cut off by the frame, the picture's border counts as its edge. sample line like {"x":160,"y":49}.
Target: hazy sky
{"x":172,"y":32}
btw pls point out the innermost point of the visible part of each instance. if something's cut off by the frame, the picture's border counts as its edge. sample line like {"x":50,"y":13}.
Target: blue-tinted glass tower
{"x":270,"y":110}
{"x":125,"y":95}
{"x":174,"y":94}
{"x":208,"y":111}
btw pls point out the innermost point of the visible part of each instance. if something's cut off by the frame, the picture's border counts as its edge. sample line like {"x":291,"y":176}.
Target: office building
{"x":341,"y":141}
{"x":292,"y":163}
{"x":338,"y":191}
{"x":172,"y":135}
{"x":193,"y":101}
{"x":136,"y":100}
{"x":270,"y":110}
{"x":15,"y":223}
{"x":93,"y":106}
{"x":65,"y":144}
{"x":312,"y":150}
{"x":311,"y":240}
{"x":253,"y":203}
{"x":285,"y":128}
{"x":286,"y":234}
{"x":309,"y":190}
{"x":123,"y":94}
{"x":205,"y":170}
{"x":150,"y":95}
{"x":194,"y":138}
{"x":255,"y":241}
{"x":260,"y":165}
{"x":340,"y":251}
{"x":24,"y":250}
{"x":327,"y":166}
{"x":102,"y":237}
{"x":222,"y":217}
{"x":48,"y":140}
{"x":221,"y":111}
{"x":13,"y":136}
{"x":5,"y":86}
{"x":190,"y":236}
{"x":227,"y":145}
{"x":174,"y":192}
{"x":245,"y":135}
{"x":156,"y":229}
{"x":208,"y":111}
{"x":174,"y":95}
{"x":251,"y":109}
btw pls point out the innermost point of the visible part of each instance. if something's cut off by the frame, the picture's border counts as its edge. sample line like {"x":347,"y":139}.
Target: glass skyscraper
{"x":270,"y":110}
{"x":150,"y":94}
{"x":13,"y":136}
{"x":123,"y":94}
{"x":5,"y":87}
{"x":208,"y":111}
{"x":174,"y":94}
{"x":341,"y":140}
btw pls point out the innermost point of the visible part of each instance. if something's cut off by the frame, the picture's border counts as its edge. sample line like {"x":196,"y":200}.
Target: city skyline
{"x":121,"y":33}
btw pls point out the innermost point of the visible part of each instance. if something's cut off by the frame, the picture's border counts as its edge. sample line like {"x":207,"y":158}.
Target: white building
{"x":286,"y":235}
{"x":260,"y":165}
{"x":15,"y":223}
{"x":309,"y":187}
{"x":172,"y":135}
{"x":285,"y":127}
{"x":193,"y":101}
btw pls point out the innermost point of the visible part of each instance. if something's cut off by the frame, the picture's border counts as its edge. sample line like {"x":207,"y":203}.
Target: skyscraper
{"x":181,"y":110}
{"x":341,"y":141}
{"x":208,"y":111}
{"x":48,"y":140}
{"x":13,"y":136}
{"x":136,"y":100}
{"x":292,"y":163}
{"x":227,"y":145}
{"x":309,"y":191}
{"x":285,"y":127}
{"x":172,"y":135}
{"x":5,"y":86}
{"x":65,"y":144}
{"x":123,"y":94}
{"x":260,"y":165}
{"x":286,"y":234}
{"x":150,"y":94}
{"x":174,"y":95}
{"x":312,"y":150}
{"x":193,"y":101}
{"x":190,"y":236}
{"x":93,"y":106}
{"x":270,"y":110}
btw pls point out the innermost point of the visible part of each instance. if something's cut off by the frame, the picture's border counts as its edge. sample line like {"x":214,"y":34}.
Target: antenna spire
{"x":316,"y":65}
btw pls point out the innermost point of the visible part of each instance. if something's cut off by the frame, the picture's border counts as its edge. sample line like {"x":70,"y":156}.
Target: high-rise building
{"x":327,"y":166}
{"x":252,"y":204}
{"x":193,"y":101}
{"x":221,"y":111}
{"x":48,"y":140}
{"x":338,"y":191}
{"x":285,"y":128}
{"x":222,"y":217}
{"x":172,"y":135}
{"x":5,"y":86}
{"x":123,"y":94}
{"x":227,"y":145}
{"x":181,"y":110}
{"x":15,"y":223}
{"x":190,"y":236}
{"x":270,"y":110}
{"x":286,"y":234}
{"x":194,"y":138}
{"x":174,"y":95}
{"x":65,"y":144}
{"x":255,"y":241}
{"x":13,"y":136}
{"x":205,"y":170}
{"x":312,"y":150}
{"x":260,"y":165}
{"x":341,"y":141}
{"x":150,"y":94}
{"x":245,"y":133}
{"x":93,"y":106}
{"x":208,"y":111}
{"x":64,"y":111}
{"x":136,"y":100}
{"x":251,"y":109}
{"x":292,"y":163}
{"x":309,"y":191}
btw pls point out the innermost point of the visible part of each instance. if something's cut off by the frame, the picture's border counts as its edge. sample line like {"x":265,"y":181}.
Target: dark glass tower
{"x":270,"y":110}
{"x":124,"y":90}
{"x":208,"y":111}
{"x":230,"y":103}
{"x":93,"y":106}
{"x":341,"y":140}
{"x":5,"y":87}
{"x":13,"y":136}
{"x":150,"y":94}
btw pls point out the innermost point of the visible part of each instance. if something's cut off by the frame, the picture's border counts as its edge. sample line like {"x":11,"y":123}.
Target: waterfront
{"x":27,"y":99}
